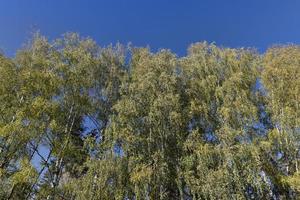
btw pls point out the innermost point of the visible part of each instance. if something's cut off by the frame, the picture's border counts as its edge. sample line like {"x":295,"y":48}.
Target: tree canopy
{"x":80,"y":121}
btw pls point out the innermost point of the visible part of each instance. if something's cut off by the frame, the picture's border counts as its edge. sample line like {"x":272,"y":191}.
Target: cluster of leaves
{"x":78,"y":121}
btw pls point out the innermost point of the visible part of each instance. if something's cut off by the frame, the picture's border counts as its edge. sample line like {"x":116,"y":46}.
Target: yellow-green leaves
{"x":26,"y":173}
{"x":78,"y":121}
{"x":281,"y":77}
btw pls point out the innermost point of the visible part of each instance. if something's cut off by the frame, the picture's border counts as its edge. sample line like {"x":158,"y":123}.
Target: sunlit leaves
{"x":122,"y":122}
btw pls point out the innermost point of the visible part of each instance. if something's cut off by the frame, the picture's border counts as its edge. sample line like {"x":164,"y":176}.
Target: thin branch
{"x":40,"y":172}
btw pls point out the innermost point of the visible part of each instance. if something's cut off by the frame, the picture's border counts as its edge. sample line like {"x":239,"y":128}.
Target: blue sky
{"x":172,"y":24}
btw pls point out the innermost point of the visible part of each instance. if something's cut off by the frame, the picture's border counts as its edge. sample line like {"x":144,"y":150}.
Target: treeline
{"x":79,"y":121}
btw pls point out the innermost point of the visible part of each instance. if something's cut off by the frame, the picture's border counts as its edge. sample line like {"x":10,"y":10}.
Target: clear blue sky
{"x":172,"y":24}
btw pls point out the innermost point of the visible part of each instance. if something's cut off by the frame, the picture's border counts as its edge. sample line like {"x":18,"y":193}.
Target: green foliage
{"x":79,"y":121}
{"x":281,"y":77}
